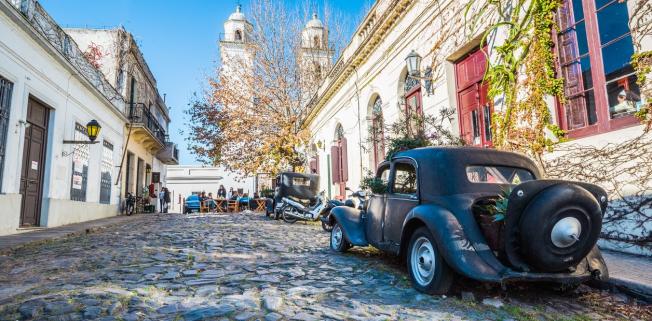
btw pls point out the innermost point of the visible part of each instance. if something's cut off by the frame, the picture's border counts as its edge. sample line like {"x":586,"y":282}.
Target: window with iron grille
{"x":80,"y":157}
{"x":107,"y":169}
{"x":5,"y":106}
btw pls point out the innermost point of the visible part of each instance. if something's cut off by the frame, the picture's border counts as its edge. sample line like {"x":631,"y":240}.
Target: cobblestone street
{"x":248,"y":267}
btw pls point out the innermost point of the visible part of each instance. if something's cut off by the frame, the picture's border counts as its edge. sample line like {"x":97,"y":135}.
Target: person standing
{"x":161,"y":200}
{"x":221,"y":192}
{"x":166,"y":198}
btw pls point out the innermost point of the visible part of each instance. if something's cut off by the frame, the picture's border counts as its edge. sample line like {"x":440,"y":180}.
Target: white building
{"x":369,"y":81}
{"x":147,"y":144}
{"x":49,"y":91}
{"x":185,"y":180}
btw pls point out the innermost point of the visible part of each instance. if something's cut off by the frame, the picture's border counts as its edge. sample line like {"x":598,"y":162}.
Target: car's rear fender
{"x":352,"y":224}
{"x":460,"y":253}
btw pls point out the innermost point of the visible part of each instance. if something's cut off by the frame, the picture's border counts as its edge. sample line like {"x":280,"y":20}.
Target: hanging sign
{"x":76,"y":181}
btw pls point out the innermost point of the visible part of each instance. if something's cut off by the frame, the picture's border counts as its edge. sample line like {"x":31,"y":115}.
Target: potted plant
{"x":490,"y":214}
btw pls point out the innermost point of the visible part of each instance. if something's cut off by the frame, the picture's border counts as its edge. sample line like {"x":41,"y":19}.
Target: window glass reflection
{"x":612,"y":21}
{"x":624,"y":96}
{"x":616,"y":58}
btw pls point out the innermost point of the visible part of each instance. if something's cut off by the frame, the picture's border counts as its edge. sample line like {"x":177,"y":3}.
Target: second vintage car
{"x":441,"y":211}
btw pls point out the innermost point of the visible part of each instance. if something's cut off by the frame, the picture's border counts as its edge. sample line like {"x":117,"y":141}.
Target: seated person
{"x":626,"y":102}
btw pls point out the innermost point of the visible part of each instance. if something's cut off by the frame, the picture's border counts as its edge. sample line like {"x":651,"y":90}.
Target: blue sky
{"x":177,"y":37}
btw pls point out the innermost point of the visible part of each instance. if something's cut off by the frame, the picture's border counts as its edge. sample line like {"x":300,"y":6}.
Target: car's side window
{"x":405,"y":179}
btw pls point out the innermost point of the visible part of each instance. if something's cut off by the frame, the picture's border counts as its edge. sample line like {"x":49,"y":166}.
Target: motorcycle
{"x":130,"y":204}
{"x":293,"y":211}
{"x":327,"y":221}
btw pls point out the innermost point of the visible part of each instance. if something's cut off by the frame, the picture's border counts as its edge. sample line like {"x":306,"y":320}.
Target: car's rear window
{"x":300,"y":181}
{"x":497,"y":174}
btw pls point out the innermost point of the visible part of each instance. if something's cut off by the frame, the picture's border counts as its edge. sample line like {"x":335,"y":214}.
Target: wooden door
{"x":474,"y":108}
{"x":31,"y":178}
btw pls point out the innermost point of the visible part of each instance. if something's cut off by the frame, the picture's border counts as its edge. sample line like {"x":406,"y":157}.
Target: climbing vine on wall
{"x":520,"y":71}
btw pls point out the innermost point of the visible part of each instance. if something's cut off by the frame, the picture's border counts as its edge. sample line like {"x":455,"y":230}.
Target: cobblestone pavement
{"x":248,"y":267}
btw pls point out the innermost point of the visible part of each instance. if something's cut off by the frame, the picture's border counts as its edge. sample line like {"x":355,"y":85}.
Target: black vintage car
{"x":437,"y":214}
{"x":299,"y":187}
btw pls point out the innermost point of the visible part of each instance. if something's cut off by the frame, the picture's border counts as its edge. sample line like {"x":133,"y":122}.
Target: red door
{"x":474,"y":107}
{"x":339,"y":167}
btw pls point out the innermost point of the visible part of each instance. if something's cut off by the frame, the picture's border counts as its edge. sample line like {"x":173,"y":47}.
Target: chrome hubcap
{"x":566,"y":232}
{"x":336,"y":237}
{"x":422,"y":261}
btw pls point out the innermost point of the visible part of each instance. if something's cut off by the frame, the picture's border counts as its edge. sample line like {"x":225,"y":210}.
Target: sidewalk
{"x":631,"y":272}
{"x":9,"y":243}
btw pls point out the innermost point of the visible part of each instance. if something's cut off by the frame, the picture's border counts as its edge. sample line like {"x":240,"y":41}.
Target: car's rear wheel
{"x":338,"y":241}
{"x":428,"y":270}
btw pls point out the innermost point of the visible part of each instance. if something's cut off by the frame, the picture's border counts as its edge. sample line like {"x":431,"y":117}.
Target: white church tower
{"x":316,"y":55}
{"x":233,"y":46}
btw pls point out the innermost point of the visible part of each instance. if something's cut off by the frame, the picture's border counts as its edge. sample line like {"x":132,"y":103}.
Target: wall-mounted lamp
{"x":413,"y":61}
{"x":92,"y":130}
{"x":320,"y":144}
{"x":148,"y":170}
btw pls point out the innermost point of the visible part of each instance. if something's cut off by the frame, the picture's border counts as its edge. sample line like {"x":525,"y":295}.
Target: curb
{"x":82,"y":231}
{"x":638,"y":290}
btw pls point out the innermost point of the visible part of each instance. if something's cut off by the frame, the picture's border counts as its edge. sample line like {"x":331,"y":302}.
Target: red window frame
{"x":604,"y":122}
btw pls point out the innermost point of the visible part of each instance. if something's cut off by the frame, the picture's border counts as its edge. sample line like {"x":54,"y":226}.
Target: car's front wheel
{"x":338,"y":241}
{"x":428,"y":270}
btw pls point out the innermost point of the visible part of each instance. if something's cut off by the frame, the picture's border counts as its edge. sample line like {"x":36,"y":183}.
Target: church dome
{"x":237,"y":15}
{"x":315,"y":22}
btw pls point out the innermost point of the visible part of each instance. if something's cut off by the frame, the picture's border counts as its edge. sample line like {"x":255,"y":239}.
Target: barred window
{"x":80,"y":157}
{"x":5,"y":106}
{"x":107,"y":170}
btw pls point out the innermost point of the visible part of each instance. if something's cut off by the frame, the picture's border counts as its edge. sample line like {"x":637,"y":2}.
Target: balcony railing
{"x":66,"y":46}
{"x":139,"y":114}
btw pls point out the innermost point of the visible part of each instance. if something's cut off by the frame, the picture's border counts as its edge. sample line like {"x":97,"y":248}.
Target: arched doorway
{"x":377,"y":131}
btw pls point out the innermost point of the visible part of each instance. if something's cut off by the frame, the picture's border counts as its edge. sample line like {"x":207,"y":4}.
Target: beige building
{"x":369,"y":82}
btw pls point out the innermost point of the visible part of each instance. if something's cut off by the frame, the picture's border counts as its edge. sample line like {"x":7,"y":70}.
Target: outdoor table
{"x":260,"y":204}
{"x":221,"y":205}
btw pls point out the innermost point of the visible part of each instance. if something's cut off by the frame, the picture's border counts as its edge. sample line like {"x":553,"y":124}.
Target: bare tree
{"x":257,"y":100}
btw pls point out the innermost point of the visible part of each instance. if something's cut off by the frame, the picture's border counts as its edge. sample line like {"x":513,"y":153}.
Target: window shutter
{"x":335,"y":164}
{"x":311,"y":165}
{"x":571,"y":70}
{"x":345,"y":163}
{"x":317,"y":164}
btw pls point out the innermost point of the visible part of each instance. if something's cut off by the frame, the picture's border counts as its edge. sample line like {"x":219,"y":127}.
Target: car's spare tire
{"x":559,"y":227}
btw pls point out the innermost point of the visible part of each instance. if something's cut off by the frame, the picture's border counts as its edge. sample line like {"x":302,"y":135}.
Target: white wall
{"x":38,"y":71}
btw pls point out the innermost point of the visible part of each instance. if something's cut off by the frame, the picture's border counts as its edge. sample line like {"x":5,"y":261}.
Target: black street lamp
{"x":92,"y":131}
{"x":413,"y":62}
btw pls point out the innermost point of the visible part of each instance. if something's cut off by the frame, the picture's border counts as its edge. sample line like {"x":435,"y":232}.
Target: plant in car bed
{"x":490,"y":214}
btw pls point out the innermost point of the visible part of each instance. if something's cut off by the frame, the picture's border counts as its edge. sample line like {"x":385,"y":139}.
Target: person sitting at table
{"x":244,"y":200}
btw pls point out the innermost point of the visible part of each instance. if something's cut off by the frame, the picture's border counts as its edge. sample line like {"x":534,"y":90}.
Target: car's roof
{"x":468,"y":155}
{"x":442,"y":170}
